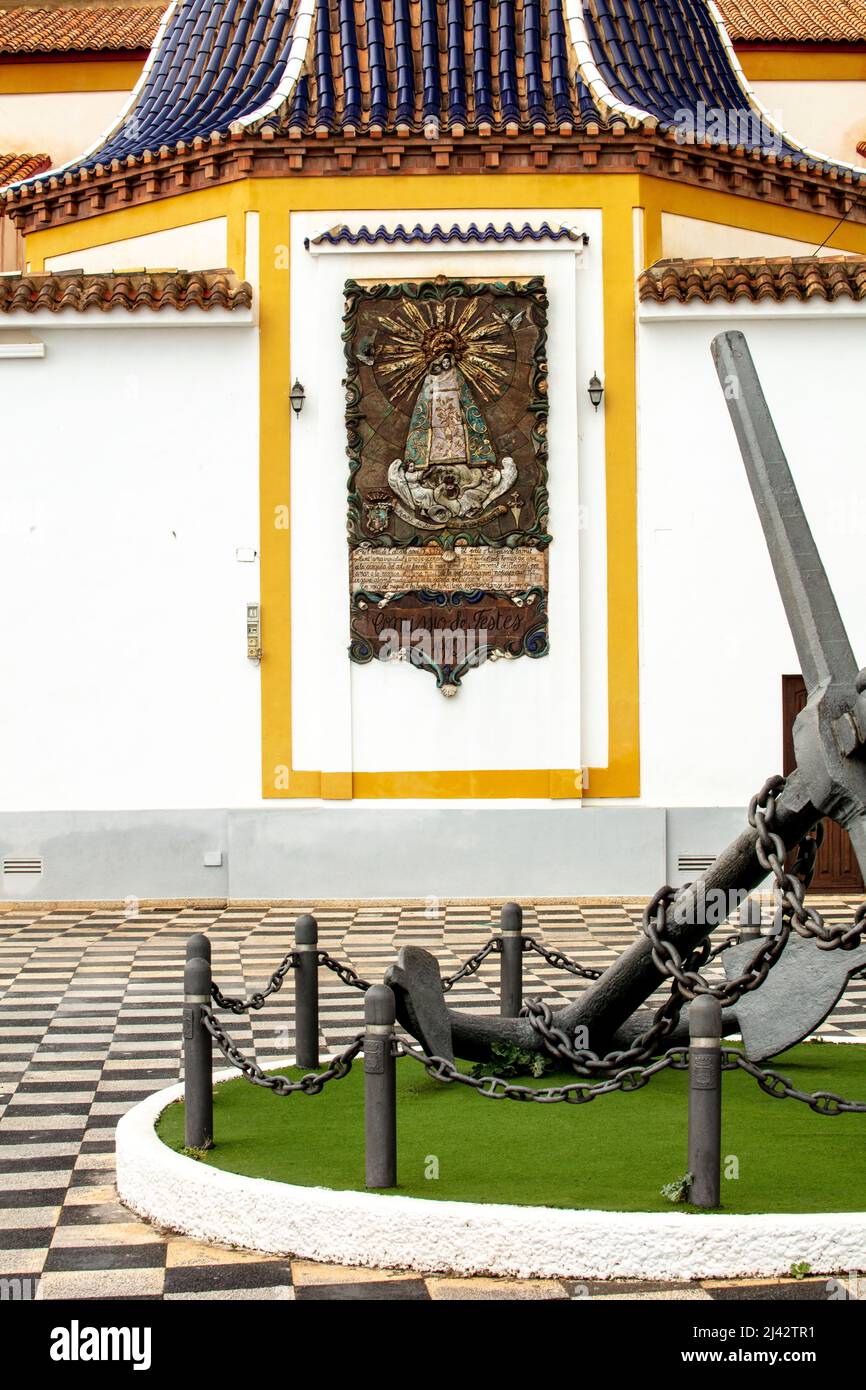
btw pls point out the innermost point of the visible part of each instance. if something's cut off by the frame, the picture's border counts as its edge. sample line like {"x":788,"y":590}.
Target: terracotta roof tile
{"x":72,"y":29}
{"x":795,"y":21}
{"x":177,"y":289}
{"x":21,"y":166}
{"x":756,"y":279}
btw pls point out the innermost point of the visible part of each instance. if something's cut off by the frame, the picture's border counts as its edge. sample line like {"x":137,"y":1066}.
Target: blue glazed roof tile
{"x":431,"y":66}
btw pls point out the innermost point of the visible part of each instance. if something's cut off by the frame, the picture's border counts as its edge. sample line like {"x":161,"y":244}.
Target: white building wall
{"x":826,"y":116}
{"x":197,"y":246}
{"x":692,"y":237}
{"x":386,"y":716}
{"x":129,"y":466}
{"x":60,"y":124}
{"x":714,"y":640}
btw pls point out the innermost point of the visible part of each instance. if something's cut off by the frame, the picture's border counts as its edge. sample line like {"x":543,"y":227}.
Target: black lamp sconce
{"x":297,"y":396}
{"x":595,"y":389}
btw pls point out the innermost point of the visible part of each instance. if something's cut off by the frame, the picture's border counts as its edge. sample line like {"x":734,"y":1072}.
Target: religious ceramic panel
{"x":447,"y":440}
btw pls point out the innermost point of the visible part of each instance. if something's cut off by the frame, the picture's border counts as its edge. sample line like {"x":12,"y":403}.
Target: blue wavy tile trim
{"x":406,"y":236}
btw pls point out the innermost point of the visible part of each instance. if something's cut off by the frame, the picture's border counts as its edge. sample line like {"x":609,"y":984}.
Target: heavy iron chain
{"x":256,"y":1000}
{"x":560,"y":961}
{"x":791,"y":888}
{"x":561,"y":1046}
{"x":345,"y":972}
{"x":573,"y":1093}
{"x":687,"y":981}
{"x":780,"y":1088}
{"x":793,"y":911}
{"x":473,"y":964}
{"x":310,"y":1085}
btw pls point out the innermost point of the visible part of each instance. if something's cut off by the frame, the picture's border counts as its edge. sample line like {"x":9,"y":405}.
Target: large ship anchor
{"x":807,"y":979}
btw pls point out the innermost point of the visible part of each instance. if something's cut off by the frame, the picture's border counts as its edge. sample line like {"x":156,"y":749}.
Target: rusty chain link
{"x":310,"y":1085}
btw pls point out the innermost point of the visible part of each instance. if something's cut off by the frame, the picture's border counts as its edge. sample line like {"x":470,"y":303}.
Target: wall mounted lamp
{"x":596,"y":390}
{"x":297,"y":396}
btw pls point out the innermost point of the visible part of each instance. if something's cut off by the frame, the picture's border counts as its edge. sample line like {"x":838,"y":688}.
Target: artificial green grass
{"x":614,"y":1153}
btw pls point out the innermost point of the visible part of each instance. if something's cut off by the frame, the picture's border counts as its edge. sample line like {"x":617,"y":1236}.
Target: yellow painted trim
{"x":274,"y":200}
{"x":485,"y":785}
{"x":565,"y":784}
{"x":144,"y":218}
{"x":337,"y":786}
{"x":790,"y":66}
{"x":652,"y":235}
{"x":43,"y":79}
{"x":729,"y":210}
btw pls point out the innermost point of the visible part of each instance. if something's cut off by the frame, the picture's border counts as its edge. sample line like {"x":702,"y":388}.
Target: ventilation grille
{"x":695,"y":863}
{"x":22,"y":864}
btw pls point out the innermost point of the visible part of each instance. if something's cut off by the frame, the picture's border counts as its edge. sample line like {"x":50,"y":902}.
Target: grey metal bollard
{"x":511,"y":961}
{"x":307,"y":992}
{"x":197,"y":1046}
{"x":705,"y":1101}
{"x":380,"y":1088}
{"x":750,"y":918}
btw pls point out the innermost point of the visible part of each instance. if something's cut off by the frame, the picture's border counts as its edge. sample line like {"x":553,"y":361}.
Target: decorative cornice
{"x":408,"y":236}
{"x":225,"y":159}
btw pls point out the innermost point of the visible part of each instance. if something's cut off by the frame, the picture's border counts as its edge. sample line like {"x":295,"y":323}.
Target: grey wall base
{"x":311,"y":852}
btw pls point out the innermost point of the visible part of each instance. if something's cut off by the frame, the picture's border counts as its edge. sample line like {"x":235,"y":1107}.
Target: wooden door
{"x":837,"y":870}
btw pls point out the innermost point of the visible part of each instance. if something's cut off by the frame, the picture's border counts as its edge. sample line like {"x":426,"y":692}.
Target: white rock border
{"x":364,"y":1228}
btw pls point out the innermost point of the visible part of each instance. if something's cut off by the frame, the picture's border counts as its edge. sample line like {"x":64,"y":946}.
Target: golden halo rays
{"x":418,"y":333}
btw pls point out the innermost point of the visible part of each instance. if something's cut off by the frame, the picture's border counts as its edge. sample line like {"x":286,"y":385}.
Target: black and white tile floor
{"x":89,"y":1024}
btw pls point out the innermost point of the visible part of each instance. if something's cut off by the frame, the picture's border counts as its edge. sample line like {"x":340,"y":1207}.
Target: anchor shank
{"x":606,"y":1005}
{"x":608,"y":1008}
{"x":813,"y":615}
{"x":633,"y":977}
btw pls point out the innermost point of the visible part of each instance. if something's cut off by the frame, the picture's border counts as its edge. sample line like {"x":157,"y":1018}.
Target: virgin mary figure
{"x":449,"y":473}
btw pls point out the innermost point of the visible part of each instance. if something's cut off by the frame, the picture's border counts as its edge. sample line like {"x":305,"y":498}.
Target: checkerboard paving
{"x":89,"y":1024}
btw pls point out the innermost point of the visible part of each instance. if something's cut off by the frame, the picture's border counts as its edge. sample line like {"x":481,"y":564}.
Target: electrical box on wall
{"x":254,"y":632}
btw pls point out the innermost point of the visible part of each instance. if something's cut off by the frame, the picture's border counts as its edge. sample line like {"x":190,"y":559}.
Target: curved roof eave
{"x":216,"y":69}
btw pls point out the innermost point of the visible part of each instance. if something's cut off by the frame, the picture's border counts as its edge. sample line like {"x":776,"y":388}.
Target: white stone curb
{"x":364,"y":1228}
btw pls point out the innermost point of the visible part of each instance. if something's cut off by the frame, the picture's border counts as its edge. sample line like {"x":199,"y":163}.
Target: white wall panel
{"x":129,"y":476}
